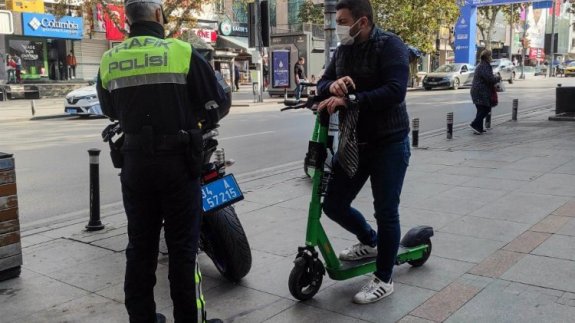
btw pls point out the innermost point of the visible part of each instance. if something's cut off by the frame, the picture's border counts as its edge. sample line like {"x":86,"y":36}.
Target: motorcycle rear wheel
{"x":223,"y":239}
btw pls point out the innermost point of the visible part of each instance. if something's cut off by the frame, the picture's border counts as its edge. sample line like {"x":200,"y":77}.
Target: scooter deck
{"x":349,"y":269}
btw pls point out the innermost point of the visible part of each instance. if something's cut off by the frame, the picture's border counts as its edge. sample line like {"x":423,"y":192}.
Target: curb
{"x":496,"y":120}
{"x":55,"y":116}
{"x":247,"y":105}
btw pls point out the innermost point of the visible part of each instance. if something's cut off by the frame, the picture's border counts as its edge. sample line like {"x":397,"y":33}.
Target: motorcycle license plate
{"x":221,"y":193}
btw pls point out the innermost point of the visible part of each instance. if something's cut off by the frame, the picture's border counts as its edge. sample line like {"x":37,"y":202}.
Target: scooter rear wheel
{"x":419,"y":262}
{"x":305,"y":280}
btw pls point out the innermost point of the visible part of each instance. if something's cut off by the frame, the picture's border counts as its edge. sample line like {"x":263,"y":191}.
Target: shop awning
{"x":233,"y":42}
{"x":198,"y":43}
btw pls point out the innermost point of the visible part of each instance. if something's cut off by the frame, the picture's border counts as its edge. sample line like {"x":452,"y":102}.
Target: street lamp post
{"x":257,"y":53}
{"x":329,"y":27}
{"x":525,"y":26}
{"x":511,"y":34}
{"x":552,"y":50}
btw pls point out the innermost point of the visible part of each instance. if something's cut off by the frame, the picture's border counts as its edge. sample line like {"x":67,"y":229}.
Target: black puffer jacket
{"x":379,"y":68}
{"x":483,"y":82}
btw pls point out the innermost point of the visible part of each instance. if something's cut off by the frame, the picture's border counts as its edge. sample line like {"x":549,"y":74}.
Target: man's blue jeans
{"x":386,"y":167}
{"x":297,"y":91}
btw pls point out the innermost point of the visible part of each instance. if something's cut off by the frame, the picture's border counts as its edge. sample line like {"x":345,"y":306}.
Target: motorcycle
{"x":222,"y":236}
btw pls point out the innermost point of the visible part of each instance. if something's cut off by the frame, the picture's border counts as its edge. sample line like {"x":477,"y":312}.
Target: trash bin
{"x":10,"y":247}
{"x":564,"y":98}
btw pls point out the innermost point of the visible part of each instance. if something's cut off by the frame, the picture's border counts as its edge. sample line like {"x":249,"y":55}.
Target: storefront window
{"x":273,"y":12}
{"x":32,"y":54}
{"x":293,"y":11}
{"x":240,"y":11}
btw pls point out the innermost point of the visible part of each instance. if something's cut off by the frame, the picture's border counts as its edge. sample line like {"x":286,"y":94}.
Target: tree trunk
{"x":488,"y":39}
{"x":493,"y":12}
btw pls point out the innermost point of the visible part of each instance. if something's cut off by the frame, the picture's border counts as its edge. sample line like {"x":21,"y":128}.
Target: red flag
{"x":113,"y":32}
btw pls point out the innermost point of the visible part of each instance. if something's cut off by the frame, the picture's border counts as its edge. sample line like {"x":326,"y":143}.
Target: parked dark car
{"x":449,"y":76}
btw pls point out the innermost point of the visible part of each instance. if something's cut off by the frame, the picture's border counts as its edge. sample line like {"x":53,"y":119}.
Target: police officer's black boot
{"x":214,"y":321}
{"x":160,"y":318}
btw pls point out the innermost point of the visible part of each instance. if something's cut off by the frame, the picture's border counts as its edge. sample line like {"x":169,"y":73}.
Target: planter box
{"x":10,"y":247}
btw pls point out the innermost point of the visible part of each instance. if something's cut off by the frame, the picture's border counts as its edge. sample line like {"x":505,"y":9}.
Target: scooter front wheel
{"x":423,"y":259}
{"x":305,"y":278}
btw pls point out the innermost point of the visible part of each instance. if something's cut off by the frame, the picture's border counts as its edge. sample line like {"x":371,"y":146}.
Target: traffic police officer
{"x":161,"y":91}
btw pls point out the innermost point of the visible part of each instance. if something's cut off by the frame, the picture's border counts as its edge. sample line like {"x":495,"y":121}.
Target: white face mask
{"x":343,"y":34}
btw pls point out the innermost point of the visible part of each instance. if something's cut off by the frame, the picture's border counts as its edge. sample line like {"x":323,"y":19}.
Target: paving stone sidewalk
{"x":502,"y":206}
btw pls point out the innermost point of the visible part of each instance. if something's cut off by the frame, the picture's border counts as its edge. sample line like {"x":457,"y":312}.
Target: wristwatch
{"x":352,"y":98}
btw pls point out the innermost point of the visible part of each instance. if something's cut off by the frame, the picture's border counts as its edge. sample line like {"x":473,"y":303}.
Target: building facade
{"x":43,"y":41}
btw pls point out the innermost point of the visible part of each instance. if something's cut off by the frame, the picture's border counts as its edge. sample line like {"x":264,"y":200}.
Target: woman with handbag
{"x":483,"y":91}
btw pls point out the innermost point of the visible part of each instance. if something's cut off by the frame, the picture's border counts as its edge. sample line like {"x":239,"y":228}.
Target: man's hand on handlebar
{"x":332,"y":104}
{"x":342,"y":86}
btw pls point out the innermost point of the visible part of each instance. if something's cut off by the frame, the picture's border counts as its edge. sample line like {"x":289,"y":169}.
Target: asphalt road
{"x":52,"y":159}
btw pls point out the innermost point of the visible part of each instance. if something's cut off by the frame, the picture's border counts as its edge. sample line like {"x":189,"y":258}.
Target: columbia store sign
{"x":48,"y":26}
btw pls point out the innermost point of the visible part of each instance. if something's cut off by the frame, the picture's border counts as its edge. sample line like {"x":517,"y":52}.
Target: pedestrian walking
{"x":162,"y":91}
{"x":299,"y":76}
{"x":367,"y":81}
{"x":237,"y":77}
{"x":266,"y":73}
{"x":10,"y":69}
{"x":483,"y":92}
{"x":18,"y":68}
{"x":71,"y":62}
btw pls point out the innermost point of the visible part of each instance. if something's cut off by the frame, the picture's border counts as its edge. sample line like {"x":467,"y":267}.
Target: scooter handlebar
{"x":301,"y":105}
{"x":305,"y":83}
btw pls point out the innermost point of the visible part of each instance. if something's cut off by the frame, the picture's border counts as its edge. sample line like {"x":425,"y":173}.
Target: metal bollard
{"x":95,"y":224}
{"x":449,"y":125}
{"x":33,"y":107}
{"x":415,"y":133}
{"x":515,"y":108}
{"x":488,"y":121}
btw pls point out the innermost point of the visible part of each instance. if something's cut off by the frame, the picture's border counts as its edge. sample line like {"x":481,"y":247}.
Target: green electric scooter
{"x":307,"y":275}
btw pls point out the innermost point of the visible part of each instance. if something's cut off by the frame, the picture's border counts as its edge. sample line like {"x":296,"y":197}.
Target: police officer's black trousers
{"x":156,"y":188}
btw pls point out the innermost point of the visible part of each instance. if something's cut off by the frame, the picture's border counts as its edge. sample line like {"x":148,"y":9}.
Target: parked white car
{"x":449,"y":76}
{"x":83,"y":102}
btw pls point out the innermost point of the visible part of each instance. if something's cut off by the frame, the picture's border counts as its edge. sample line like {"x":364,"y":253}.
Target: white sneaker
{"x":357,"y":252}
{"x":373,"y":291}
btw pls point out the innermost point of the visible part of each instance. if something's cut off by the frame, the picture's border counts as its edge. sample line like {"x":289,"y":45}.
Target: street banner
{"x":280,"y":69}
{"x":536,"y":22}
{"x":557,"y":12}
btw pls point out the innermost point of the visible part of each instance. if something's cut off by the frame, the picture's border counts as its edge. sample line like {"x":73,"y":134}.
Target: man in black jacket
{"x":367,"y":82}
{"x":161,"y":91}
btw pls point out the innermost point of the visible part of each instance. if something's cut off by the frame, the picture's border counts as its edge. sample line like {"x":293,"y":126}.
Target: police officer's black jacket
{"x":167,"y":107}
